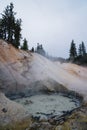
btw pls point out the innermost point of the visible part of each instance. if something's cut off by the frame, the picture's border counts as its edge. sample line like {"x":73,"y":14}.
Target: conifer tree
{"x":73,"y":52}
{"x":80,"y":50}
{"x":10,"y":28}
{"x":8,"y":19}
{"x":1,"y":29}
{"x":83,"y":49}
{"x":25,"y":44}
{"x":17,"y":33}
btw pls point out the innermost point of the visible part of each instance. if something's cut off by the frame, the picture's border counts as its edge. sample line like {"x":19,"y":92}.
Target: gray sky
{"x":53,"y":23}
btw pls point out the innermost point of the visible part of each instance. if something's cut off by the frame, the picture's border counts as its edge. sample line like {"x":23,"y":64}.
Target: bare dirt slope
{"x":22,"y":71}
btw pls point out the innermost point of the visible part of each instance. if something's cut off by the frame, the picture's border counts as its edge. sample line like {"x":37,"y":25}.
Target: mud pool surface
{"x":45,"y":105}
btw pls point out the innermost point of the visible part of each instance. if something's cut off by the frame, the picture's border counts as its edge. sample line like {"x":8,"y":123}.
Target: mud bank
{"x":48,"y":87}
{"x":74,"y":119}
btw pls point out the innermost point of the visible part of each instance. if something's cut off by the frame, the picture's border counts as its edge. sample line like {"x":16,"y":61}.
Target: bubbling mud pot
{"x":45,"y":106}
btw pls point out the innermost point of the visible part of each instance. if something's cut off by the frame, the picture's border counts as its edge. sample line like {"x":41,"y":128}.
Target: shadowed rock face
{"x":37,"y":87}
{"x":13,"y":87}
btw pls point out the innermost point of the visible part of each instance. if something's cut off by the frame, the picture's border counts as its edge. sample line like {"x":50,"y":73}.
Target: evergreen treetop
{"x":25,"y":44}
{"x":83,"y":49}
{"x":73,"y":52}
{"x":10,"y":27}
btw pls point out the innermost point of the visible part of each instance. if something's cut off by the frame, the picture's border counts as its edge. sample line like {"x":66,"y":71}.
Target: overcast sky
{"x":53,"y":23}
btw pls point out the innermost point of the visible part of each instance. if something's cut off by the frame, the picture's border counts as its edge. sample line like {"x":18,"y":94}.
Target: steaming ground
{"x":23,"y":73}
{"x":71,"y":76}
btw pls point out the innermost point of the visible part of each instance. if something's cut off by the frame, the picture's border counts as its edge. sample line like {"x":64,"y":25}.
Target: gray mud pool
{"x":43,"y":105}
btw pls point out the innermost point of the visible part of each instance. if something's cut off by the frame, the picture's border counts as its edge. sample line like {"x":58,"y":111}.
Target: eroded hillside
{"x":24,"y":73}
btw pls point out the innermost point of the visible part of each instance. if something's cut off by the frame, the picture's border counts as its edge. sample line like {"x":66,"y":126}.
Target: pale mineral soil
{"x":22,"y":71}
{"x":44,"y":105}
{"x":10,"y":111}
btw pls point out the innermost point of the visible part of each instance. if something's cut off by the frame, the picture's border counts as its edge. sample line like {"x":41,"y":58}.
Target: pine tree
{"x":80,"y":50}
{"x":25,"y":45}
{"x":83,"y":49}
{"x":17,"y":33}
{"x":40,"y":49}
{"x":1,"y":29}
{"x":32,"y":50}
{"x":8,"y":20}
{"x":10,"y":28}
{"x":73,"y":52}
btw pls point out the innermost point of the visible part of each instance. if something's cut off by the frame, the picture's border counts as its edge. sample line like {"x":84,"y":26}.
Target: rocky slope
{"x":24,"y":73}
